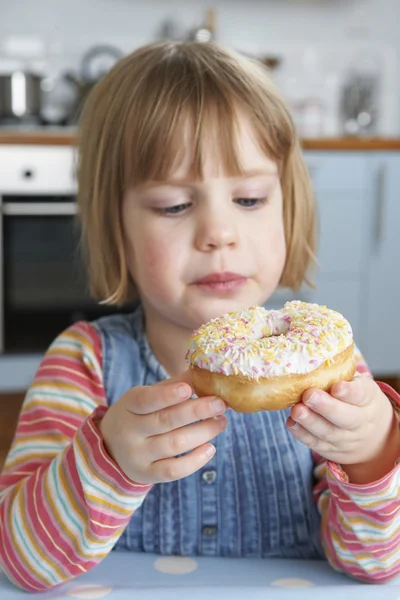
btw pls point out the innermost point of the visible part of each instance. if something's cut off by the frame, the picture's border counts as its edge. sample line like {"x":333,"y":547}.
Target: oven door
{"x":45,"y":287}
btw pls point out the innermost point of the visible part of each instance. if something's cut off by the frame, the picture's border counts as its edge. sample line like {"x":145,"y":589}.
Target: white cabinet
{"x":37,"y":169}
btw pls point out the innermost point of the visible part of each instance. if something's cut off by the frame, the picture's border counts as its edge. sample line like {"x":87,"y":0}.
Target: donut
{"x":258,"y":359}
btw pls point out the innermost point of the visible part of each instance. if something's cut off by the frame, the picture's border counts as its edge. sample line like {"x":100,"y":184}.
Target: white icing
{"x":257,"y":342}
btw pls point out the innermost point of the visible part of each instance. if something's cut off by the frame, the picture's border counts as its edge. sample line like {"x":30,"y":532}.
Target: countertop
{"x":67,"y":137}
{"x":126,"y":576}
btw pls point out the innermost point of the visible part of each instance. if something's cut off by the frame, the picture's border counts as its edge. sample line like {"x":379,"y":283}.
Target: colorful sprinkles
{"x":257,"y":342}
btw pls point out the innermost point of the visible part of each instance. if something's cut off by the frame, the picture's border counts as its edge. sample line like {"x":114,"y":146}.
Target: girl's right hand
{"x":149,"y":426}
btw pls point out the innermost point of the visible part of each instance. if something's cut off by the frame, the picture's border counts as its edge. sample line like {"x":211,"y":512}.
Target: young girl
{"x":193,"y":197}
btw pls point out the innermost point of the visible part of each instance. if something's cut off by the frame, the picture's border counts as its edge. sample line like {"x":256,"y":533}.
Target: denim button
{"x":209,"y":476}
{"x":210,"y":530}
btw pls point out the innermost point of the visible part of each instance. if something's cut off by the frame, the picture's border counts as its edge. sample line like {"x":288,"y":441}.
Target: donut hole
{"x":277,"y":324}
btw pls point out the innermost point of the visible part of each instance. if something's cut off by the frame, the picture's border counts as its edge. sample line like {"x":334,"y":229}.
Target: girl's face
{"x":198,"y":249}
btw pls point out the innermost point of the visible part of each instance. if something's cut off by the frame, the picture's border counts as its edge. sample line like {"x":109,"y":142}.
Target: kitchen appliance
{"x":361,"y":91}
{"x":43,"y":283}
{"x":206,"y":31}
{"x":96,"y":62}
{"x":22,"y":72}
{"x":359,"y":105}
{"x":20,"y":95}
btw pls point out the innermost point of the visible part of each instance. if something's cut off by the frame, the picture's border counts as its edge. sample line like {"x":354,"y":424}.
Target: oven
{"x":44,"y":286}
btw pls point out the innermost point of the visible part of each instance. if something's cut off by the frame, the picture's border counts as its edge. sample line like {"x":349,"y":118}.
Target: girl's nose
{"x":215,"y":231}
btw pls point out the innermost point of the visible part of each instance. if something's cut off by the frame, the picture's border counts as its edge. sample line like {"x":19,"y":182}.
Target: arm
{"x":360,"y":528}
{"x":63,"y":501}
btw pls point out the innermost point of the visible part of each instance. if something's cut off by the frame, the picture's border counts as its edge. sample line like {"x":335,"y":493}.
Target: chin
{"x":217,"y":307}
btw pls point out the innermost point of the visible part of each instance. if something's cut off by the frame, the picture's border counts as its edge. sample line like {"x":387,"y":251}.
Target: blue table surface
{"x":126,"y":576}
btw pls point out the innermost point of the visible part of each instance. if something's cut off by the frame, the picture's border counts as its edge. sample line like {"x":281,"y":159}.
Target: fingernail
{"x":313,"y":399}
{"x":340,"y":392}
{"x":302,"y":414}
{"x":222,"y":421}
{"x":218,"y":406}
{"x":183,"y":392}
{"x":209,"y":450}
{"x":295,"y":426}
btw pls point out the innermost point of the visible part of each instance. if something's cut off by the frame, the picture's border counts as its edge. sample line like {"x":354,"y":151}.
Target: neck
{"x":168,"y":341}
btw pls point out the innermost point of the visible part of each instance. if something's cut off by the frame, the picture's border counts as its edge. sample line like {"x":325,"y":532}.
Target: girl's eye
{"x":250,"y":202}
{"x":173,"y":210}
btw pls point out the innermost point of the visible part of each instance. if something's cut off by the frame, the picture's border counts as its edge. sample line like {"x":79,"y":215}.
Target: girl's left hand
{"x":349,"y":426}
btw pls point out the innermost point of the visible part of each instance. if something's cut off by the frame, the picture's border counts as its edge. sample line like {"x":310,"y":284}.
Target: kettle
{"x":96,"y":62}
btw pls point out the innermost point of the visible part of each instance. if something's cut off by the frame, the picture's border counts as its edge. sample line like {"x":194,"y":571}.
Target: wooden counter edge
{"x":332,"y":144}
{"x":350,"y":143}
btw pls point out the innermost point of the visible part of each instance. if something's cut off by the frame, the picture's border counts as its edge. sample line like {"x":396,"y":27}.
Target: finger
{"x":185,"y":377}
{"x":338,"y":413}
{"x":171,"y":469}
{"x":308,"y":439}
{"x":315,"y":424}
{"x":182,"y":414}
{"x":184,"y":439}
{"x":357,"y":392}
{"x":148,"y":399}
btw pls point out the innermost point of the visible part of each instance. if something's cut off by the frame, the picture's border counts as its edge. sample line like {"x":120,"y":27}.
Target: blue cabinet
{"x":341,"y":187}
{"x":358,"y":274}
{"x":358,"y":201}
{"x":381,"y":291}
{"x":340,"y":183}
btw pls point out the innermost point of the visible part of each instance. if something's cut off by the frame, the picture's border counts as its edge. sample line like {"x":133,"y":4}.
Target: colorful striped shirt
{"x":64,"y":502}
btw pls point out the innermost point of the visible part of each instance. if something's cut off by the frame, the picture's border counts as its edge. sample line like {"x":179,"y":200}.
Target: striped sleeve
{"x":360,"y":527}
{"x":63,"y":501}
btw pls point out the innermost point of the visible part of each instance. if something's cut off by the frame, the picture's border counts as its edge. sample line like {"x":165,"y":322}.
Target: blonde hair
{"x":132,"y":130}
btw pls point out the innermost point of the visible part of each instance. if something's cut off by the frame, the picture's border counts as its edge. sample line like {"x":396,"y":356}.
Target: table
{"x":131,"y":576}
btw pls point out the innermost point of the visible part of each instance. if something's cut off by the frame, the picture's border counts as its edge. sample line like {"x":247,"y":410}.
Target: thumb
{"x":357,"y":392}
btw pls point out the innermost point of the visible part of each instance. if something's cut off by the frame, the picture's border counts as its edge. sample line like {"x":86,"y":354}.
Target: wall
{"x":334,"y":28}
{"x":249,"y":23}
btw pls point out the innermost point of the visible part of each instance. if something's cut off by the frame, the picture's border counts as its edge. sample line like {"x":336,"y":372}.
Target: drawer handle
{"x":28,"y":174}
{"x":380,"y":205}
{"x":39,"y":209}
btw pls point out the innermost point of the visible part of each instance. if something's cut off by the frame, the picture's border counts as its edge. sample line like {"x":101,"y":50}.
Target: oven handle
{"x":37,"y":209}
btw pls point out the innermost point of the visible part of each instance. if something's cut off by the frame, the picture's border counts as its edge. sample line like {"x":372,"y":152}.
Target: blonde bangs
{"x":138,"y":124}
{"x":186,"y":101}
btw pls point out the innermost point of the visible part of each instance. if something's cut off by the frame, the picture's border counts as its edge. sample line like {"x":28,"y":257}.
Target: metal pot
{"x":20,"y":95}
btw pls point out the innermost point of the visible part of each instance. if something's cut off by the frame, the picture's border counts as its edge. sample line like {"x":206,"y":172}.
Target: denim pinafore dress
{"x":253,"y":499}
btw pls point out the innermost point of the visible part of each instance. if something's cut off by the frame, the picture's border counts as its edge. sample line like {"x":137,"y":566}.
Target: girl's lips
{"x":227,"y":285}
{"x":220,"y":277}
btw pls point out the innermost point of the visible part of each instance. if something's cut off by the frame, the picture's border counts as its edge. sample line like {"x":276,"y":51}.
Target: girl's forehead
{"x":249,"y":153}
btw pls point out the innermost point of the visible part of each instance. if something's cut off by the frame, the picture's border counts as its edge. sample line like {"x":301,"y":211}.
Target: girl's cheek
{"x":156,"y":257}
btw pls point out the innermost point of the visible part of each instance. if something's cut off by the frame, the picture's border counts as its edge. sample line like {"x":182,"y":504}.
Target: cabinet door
{"x":382,"y":289}
{"x":341,"y":188}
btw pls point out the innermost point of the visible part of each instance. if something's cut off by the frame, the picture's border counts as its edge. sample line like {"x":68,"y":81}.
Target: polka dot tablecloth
{"x":126,"y":576}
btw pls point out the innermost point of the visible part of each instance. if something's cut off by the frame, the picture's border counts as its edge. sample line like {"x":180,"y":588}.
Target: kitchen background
{"x":337,"y":63}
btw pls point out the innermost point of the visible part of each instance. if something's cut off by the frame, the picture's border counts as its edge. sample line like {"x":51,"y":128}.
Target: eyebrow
{"x":187,"y":180}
